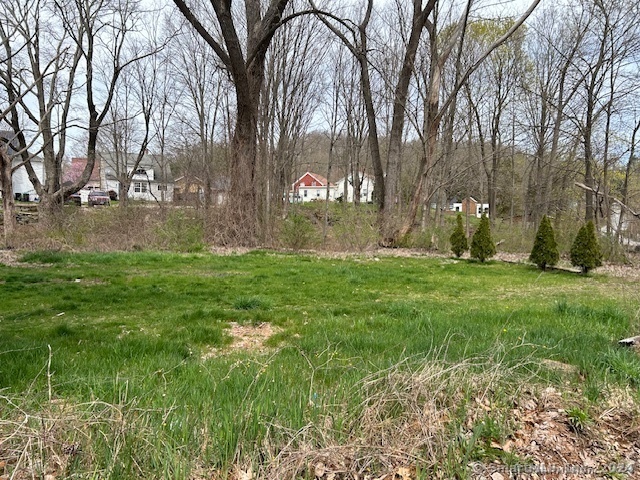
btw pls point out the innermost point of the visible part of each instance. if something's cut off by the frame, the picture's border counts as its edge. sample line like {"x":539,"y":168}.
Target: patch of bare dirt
{"x":225,"y":251}
{"x":250,"y":338}
{"x":9,"y":258}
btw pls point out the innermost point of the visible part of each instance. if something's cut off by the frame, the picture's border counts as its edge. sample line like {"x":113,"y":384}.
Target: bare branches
{"x":508,"y":34}
{"x":603,"y":195}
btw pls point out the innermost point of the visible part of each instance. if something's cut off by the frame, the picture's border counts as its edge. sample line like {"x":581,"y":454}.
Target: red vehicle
{"x":74,"y":199}
{"x":98,"y":197}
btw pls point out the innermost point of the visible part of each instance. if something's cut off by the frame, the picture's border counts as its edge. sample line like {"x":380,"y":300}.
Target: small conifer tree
{"x":458,"y":239}
{"x":585,"y":251}
{"x":545,"y":248}
{"x":482,"y":246}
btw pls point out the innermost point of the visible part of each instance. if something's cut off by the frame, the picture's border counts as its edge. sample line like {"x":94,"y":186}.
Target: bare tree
{"x":291,"y":94}
{"x":355,"y":37}
{"x":202,"y":116}
{"x":129,"y":130}
{"x":245,"y":61}
{"x":438,"y":108}
{"x":489,"y":95}
{"x":62,"y":42}
{"x":610,"y":40}
{"x":555,"y":38}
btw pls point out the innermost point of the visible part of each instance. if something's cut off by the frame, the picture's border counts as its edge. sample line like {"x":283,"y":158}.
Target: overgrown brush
{"x":355,"y":228}
{"x":136,"y":227}
{"x":417,"y":416}
{"x":62,"y":439}
{"x":299,"y":232}
{"x":405,"y":416}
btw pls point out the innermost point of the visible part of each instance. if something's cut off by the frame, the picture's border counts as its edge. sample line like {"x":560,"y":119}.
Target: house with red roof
{"x":311,"y":187}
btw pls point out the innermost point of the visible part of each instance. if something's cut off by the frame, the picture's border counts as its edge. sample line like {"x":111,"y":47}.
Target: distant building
{"x":310,"y":187}
{"x":192,"y":190}
{"x":151,"y":181}
{"x":470,"y":205}
{"x":345,"y":189}
{"x":22,"y":187}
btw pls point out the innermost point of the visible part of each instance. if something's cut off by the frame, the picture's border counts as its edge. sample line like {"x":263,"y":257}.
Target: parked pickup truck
{"x":98,"y":197}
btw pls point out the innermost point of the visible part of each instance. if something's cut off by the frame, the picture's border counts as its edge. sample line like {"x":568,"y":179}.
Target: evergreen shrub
{"x":458,"y":239}
{"x":545,"y":249}
{"x":585,"y":251}
{"x":482,"y":245}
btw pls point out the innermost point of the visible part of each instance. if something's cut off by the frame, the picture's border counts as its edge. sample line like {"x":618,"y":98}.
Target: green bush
{"x":458,"y":239}
{"x":482,"y":246}
{"x":298,"y":232}
{"x":180,"y":233}
{"x":585,"y":251}
{"x":545,"y":249}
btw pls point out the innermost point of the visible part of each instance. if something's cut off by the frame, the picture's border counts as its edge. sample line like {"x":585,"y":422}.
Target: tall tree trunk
{"x":588,"y":174}
{"x":367,"y":96}
{"x":7,"y":196}
{"x":246,"y":65}
{"x":242,"y":201}
{"x":391,"y":231}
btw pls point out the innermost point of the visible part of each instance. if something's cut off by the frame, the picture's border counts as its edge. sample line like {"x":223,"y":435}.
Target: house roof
{"x":9,"y":137}
{"x":322,"y":181}
{"x":161,"y":170}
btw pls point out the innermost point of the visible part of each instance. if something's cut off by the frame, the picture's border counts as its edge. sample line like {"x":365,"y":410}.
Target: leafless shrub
{"x":136,"y":227}
{"x":355,"y":229}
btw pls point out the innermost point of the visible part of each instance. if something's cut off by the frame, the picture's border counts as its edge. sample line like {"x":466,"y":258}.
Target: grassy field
{"x":120,"y":365}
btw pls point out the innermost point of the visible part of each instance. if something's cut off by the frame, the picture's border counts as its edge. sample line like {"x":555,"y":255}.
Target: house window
{"x":313,"y":184}
{"x":318,"y":194}
{"x":162,"y":188}
{"x":457,"y":209}
{"x":140,"y":171}
{"x":304,"y":193}
{"x":140,"y":187}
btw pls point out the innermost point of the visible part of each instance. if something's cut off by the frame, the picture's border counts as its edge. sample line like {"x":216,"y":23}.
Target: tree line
{"x":436,"y":99}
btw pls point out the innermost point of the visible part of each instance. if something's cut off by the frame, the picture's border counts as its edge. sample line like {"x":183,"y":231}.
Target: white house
{"x":151,"y":181}
{"x":310,"y":187}
{"x":345,"y":190}
{"x":22,"y":186}
{"x":470,"y":205}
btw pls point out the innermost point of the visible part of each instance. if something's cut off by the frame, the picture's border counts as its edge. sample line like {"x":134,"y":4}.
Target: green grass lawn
{"x":116,"y":342}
